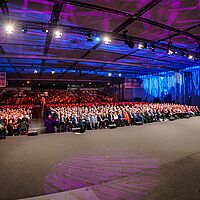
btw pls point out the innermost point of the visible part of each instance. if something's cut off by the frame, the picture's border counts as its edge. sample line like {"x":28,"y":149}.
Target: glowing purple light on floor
{"x":109,"y":176}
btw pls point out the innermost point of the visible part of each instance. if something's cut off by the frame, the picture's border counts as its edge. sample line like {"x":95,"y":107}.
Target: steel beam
{"x":2,"y":51}
{"x":164,"y":26}
{"x":57,"y":8}
{"x":127,"y":14}
{"x":83,"y":31}
{"x":89,"y":69}
{"x":134,"y":17}
{"x":130,"y":20}
{"x":174,"y":35}
{"x":23,"y":56}
{"x":61,"y":80}
{"x":95,"y":7}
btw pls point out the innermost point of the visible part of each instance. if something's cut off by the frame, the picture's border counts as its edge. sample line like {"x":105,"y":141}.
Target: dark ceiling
{"x":73,"y":57}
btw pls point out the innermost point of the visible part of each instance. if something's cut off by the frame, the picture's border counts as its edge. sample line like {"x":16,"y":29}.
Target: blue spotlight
{"x":97,"y":39}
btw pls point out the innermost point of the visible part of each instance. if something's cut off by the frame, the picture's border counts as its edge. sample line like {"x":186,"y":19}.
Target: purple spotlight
{"x":111,"y":175}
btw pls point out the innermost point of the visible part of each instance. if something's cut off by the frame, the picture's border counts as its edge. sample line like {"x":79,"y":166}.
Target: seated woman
{"x":126,"y":118}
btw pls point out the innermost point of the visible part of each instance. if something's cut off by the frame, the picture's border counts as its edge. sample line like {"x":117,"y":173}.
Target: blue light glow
{"x":174,"y":83}
{"x":192,"y":68}
{"x":196,"y":82}
{"x":157,"y":74}
{"x":158,"y":86}
{"x":97,"y":39}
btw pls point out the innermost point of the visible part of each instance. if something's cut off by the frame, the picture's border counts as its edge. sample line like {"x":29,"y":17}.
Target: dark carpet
{"x":152,"y":161}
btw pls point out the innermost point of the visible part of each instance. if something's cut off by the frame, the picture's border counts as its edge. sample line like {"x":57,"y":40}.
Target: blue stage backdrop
{"x":161,"y":85}
{"x":196,"y":83}
{"x":178,"y":84}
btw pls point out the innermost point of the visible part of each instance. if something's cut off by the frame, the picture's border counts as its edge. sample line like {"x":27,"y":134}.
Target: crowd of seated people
{"x":12,"y":97}
{"x":31,"y":98}
{"x":98,"y":116}
{"x":77,"y":96}
{"x":14,"y":120}
{"x":8,"y":97}
{"x":26,"y":97}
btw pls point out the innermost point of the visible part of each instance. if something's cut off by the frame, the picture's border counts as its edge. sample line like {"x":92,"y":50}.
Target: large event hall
{"x":100,"y":99}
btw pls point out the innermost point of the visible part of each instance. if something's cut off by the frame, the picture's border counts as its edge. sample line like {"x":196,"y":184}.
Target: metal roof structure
{"x":33,"y":52}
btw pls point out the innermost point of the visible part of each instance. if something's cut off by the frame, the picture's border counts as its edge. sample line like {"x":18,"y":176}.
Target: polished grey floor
{"x":153,"y":161}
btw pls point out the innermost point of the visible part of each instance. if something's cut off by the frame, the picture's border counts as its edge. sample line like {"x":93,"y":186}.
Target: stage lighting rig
{"x":97,"y":39}
{"x":190,"y":57}
{"x":182,"y":53}
{"x":152,"y":48}
{"x":89,"y":37}
{"x":4,"y":7}
{"x":142,"y":45}
{"x":169,"y":51}
{"x":107,"y":40}
{"x":24,"y":29}
{"x":58,"y":34}
{"x":127,"y":41}
{"x":196,"y":57}
{"x":9,"y":29}
{"x":45,"y":30}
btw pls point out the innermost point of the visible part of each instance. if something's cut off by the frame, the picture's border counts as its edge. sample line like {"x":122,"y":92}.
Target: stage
{"x":153,"y":161}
